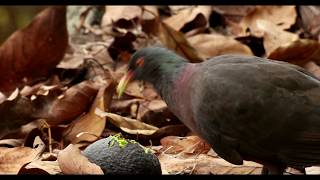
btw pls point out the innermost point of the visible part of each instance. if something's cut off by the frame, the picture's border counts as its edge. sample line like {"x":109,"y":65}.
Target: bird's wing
{"x":266,"y":109}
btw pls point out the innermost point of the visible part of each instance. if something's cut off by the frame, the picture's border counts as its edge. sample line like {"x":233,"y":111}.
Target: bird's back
{"x":258,"y":108}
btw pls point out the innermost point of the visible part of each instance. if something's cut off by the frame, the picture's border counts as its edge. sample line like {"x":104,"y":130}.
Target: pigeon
{"x":246,"y":107}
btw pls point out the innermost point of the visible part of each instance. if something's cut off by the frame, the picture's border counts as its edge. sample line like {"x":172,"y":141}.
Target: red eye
{"x":140,"y":62}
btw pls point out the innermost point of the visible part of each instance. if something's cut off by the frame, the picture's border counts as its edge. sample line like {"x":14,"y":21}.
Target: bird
{"x":246,"y":107}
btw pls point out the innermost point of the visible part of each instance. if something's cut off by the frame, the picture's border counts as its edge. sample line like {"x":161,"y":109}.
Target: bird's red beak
{"x":124,"y":82}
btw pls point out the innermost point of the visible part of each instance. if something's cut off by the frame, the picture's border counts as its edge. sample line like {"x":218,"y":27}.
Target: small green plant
{"x":122,"y":142}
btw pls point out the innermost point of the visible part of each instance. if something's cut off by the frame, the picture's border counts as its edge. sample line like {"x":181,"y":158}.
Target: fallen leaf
{"x":204,"y":164}
{"x":122,"y":105}
{"x":11,"y":142}
{"x":61,"y":109}
{"x":149,"y":22}
{"x":189,"y":18}
{"x":176,"y":41}
{"x":286,"y":46}
{"x":90,"y":126}
{"x":170,"y":130}
{"x":113,"y":14}
{"x":12,"y":159}
{"x":128,"y":125}
{"x":15,"y":111}
{"x":234,"y":13}
{"x":71,"y":161}
{"x":33,"y":51}
{"x":310,"y":16}
{"x":147,"y":106}
{"x":210,"y":45}
{"x":281,"y":16}
{"x":41,"y":167}
{"x":274,"y":37}
{"x":313,"y":68}
{"x":189,"y":144}
{"x":314,"y":170}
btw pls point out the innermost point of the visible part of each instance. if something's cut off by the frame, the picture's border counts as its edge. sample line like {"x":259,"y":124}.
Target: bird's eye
{"x":140,"y":62}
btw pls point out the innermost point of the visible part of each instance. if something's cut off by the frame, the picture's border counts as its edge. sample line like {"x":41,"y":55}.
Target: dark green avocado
{"x":119,"y":156}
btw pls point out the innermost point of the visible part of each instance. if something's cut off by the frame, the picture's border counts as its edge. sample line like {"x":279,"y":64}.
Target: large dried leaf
{"x":128,"y":125}
{"x":90,"y":126}
{"x":12,"y":159}
{"x":15,"y":111}
{"x":189,"y":144}
{"x":41,"y":167}
{"x":71,"y":161}
{"x":310,"y":16}
{"x":61,"y":109}
{"x":314,"y":170}
{"x":234,"y":13}
{"x":286,"y":46}
{"x":281,"y":16}
{"x":176,"y":41}
{"x":204,"y":164}
{"x":156,"y":105}
{"x":313,"y":68}
{"x":116,"y":13}
{"x":195,"y":16}
{"x":33,"y":51}
{"x":209,"y":45}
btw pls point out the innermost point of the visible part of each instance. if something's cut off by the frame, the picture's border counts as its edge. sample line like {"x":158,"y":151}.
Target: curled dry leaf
{"x":193,"y":16}
{"x":113,"y":14}
{"x":176,"y":41}
{"x":90,"y":126}
{"x":61,"y":109}
{"x":128,"y":125}
{"x":313,"y":68}
{"x":15,"y":112}
{"x":209,"y":45}
{"x":281,"y":16}
{"x":234,"y":13}
{"x":33,"y":51}
{"x":314,"y":170}
{"x":286,"y":46}
{"x":147,"y":106}
{"x":310,"y":16}
{"x":41,"y":167}
{"x":204,"y":164}
{"x":11,"y":142}
{"x":71,"y":161}
{"x":189,"y":145}
{"x":12,"y":159}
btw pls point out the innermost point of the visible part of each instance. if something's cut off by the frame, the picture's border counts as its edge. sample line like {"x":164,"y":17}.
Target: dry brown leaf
{"x":195,"y":16}
{"x":41,"y":167}
{"x":61,"y":109}
{"x":71,"y":161}
{"x":286,"y":46}
{"x":209,"y":45}
{"x":11,"y":142}
{"x":33,"y":51}
{"x":281,"y":16}
{"x":274,"y":37}
{"x":204,"y":164}
{"x":134,"y":89}
{"x":234,"y":13}
{"x":155,"y":105}
{"x":128,"y":125}
{"x":176,"y":41}
{"x":189,"y":144}
{"x":314,"y":170}
{"x":12,"y":159}
{"x":15,"y":111}
{"x":90,"y":126}
{"x":122,"y":105}
{"x":116,"y":13}
{"x":310,"y":16}
{"x":313,"y":68}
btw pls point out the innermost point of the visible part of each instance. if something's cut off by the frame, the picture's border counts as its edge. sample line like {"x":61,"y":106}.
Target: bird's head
{"x":146,"y":64}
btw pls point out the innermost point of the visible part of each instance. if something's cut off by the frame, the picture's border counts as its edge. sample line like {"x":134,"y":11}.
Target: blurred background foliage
{"x":15,"y":17}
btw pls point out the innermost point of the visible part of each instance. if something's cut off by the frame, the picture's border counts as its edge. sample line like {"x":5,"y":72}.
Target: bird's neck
{"x":166,"y":77}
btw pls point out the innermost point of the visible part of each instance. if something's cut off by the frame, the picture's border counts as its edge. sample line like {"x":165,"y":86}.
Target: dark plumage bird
{"x":245,"y":107}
